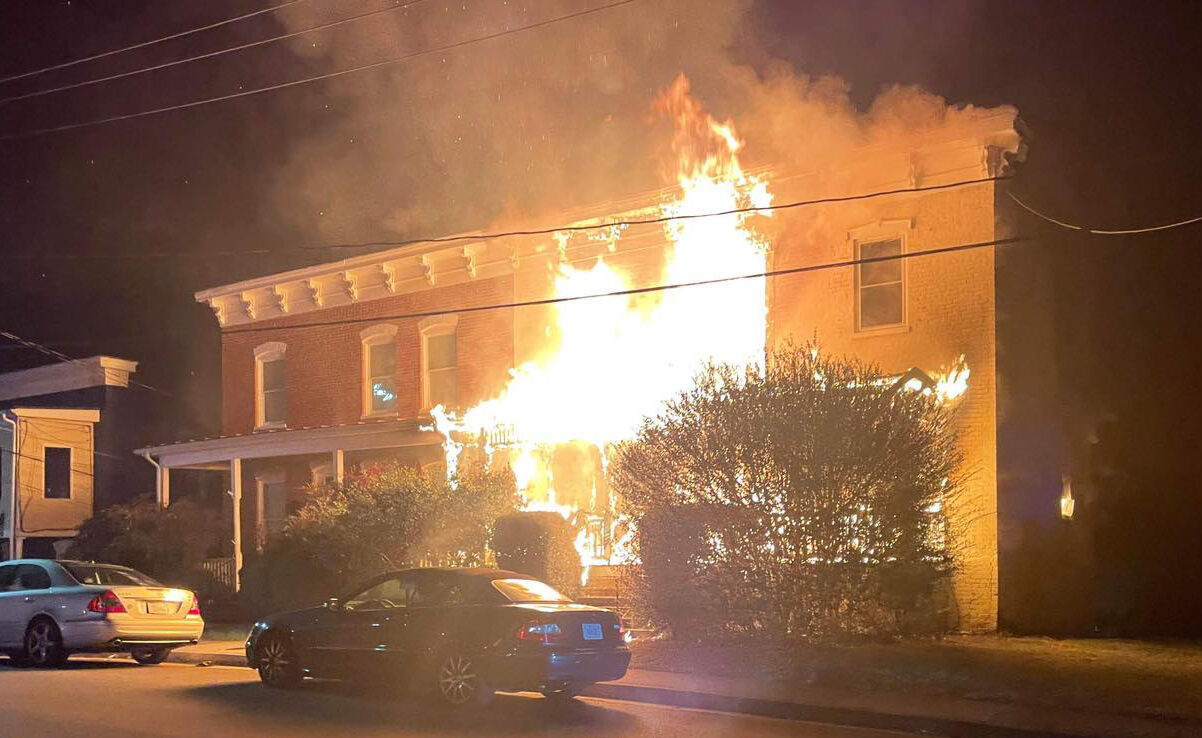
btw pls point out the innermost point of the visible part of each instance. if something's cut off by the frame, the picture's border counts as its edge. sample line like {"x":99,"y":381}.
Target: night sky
{"x":107,"y":231}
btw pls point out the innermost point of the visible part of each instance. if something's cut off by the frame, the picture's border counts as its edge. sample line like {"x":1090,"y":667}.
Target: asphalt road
{"x":119,"y":698}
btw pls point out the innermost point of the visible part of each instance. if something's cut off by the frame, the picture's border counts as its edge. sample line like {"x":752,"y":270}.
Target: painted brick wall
{"x":950,"y":311}
{"x":324,"y":363}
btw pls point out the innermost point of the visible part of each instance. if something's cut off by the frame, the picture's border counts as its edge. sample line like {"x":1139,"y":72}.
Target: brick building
{"x":316,"y":377}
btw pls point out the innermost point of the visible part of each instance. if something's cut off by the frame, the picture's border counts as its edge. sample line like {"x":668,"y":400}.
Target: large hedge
{"x":540,"y":544}
{"x":383,"y":517}
{"x":801,"y":500}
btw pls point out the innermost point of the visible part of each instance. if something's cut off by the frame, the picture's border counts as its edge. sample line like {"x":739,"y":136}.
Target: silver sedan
{"x":50,"y":609}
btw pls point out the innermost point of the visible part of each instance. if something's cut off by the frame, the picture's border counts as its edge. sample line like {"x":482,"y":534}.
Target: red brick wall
{"x":324,"y":363}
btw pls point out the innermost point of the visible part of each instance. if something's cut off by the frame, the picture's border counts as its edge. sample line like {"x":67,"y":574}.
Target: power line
{"x":317,"y":78}
{"x":152,"y":42}
{"x":635,"y":290}
{"x":1102,"y":231}
{"x":219,"y":52}
{"x":535,"y":231}
{"x":64,"y":358}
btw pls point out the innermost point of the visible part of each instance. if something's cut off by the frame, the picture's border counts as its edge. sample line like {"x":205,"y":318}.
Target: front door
{"x":10,"y":603}
{"x":365,"y":634}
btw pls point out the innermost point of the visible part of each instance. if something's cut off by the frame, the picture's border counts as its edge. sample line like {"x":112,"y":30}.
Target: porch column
{"x":260,"y":524}
{"x":236,"y":493}
{"x":163,"y":485}
{"x":339,"y":465}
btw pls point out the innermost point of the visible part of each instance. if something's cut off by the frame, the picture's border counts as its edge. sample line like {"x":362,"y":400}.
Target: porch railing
{"x":221,"y":570}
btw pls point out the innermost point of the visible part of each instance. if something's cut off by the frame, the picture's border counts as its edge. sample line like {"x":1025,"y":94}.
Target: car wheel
{"x":459,"y":681}
{"x":150,"y":656}
{"x":43,"y":644}
{"x":275,"y":658}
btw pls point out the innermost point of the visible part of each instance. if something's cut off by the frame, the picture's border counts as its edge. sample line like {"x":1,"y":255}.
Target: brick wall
{"x":950,"y":311}
{"x":324,"y":363}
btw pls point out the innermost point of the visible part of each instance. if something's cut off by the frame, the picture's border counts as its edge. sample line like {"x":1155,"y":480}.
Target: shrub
{"x":801,"y":500}
{"x":539,"y":544}
{"x":166,"y":543}
{"x":383,"y":517}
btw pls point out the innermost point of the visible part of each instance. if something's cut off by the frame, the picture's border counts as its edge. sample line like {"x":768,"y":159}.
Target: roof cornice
{"x":64,"y":376}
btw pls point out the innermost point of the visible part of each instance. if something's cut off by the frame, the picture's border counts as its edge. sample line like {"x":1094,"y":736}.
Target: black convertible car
{"x":461,"y":633}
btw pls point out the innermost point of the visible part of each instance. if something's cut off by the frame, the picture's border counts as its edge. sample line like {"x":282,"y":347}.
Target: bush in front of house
{"x":540,"y":544}
{"x":383,"y":517}
{"x":803,"y":500}
{"x":165,"y":543}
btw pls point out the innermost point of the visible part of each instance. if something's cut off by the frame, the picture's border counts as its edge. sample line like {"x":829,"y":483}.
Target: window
{"x":527,"y":590}
{"x":440,"y":362}
{"x":56,"y":481}
{"x":271,"y":397}
{"x":385,"y":595}
{"x":880,"y":285}
{"x":379,"y":370}
{"x":8,"y":575}
{"x":109,"y":576}
{"x":275,"y":507}
{"x":31,"y":576}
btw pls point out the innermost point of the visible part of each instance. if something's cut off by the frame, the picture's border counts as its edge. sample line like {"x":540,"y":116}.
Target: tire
{"x":150,"y":656}
{"x":457,"y":681}
{"x":43,"y":644}
{"x":276,"y":662}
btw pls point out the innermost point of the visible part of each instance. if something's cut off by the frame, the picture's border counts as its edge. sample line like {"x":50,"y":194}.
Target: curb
{"x":781,"y":710}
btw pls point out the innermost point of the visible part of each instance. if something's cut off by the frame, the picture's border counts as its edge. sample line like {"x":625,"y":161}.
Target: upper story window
{"x":880,"y":285}
{"x":56,"y":473}
{"x":379,"y":370}
{"x":271,"y":394}
{"x":440,"y":362}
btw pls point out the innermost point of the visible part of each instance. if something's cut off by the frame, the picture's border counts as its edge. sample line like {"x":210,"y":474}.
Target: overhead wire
{"x":152,"y":42}
{"x":1103,"y":231}
{"x":211,"y":54}
{"x":317,"y":78}
{"x":41,"y":348}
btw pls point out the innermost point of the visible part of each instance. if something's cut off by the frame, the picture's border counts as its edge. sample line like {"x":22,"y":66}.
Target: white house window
{"x":440,"y":362}
{"x":56,"y":470}
{"x":880,"y":285}
{"x":271,"y":395}
{"x":275,"y":507}
{"x":379,"y":370}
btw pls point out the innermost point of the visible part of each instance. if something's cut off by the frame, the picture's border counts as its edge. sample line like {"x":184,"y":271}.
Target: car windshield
{"x":109,"y":575}
{"x":528,"y":590}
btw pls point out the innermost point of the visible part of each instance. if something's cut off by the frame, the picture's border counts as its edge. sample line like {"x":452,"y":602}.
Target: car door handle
{"x":29,"y":599}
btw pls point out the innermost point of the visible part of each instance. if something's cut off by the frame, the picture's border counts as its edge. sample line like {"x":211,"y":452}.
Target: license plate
{"x":592,"y":631}
{"x":161,"y":608}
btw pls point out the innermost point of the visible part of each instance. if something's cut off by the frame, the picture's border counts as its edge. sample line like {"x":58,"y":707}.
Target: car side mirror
{"x":333,"y":604}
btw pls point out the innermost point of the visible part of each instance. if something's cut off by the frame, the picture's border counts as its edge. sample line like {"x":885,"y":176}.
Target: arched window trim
{"x":376,"y":335}
{"x":265,"y":353}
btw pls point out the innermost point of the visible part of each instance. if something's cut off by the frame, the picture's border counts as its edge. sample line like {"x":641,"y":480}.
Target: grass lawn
{"x":1157,"y":678}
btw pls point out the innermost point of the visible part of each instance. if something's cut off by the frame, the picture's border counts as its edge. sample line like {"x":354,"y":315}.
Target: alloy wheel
{"x":277,"y":666}
{"x":457,"y":680}
{"x":42,"y":647}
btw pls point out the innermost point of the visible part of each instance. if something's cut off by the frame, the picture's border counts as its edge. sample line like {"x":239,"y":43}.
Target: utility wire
{"x":329,"y":75}
{"x":534,"y":231}
{"x":208,"y":55}
{"x":64,"y":358}
{"x":1102,"y":231}
{"x":635,"y":290}
{"x":152,"y":42}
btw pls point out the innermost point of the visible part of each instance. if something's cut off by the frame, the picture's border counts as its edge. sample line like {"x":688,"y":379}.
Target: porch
{"x":278,"y":466}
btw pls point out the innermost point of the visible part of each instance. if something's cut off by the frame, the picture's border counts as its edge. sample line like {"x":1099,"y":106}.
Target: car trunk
{"x":582,"y":626}
{"x":154,"y":603}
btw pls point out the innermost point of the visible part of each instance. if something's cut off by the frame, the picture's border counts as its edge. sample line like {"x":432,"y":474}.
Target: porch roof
{"x":363,"y":435}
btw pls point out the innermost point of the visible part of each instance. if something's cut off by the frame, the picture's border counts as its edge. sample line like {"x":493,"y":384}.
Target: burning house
{"x":404,"y":353}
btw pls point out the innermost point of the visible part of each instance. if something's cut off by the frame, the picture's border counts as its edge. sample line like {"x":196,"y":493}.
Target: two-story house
{"x":339,"y":364}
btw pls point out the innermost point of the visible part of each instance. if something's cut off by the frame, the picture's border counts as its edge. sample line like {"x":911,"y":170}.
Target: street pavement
{"x":117,"y":697}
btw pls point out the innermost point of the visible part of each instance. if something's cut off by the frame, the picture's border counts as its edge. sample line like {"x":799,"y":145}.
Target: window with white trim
{"x":379,"y":370}
{"x":880,"y":285}
{"x":271,"y":394}
{"x":440,"y":362}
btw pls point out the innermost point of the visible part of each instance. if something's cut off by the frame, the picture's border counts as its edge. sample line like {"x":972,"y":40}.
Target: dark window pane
{"x":275,"y":506}
{"x":443,"y":390}
{"x":440,"y":351}
{"x":881,"y":305}
{"x":57,"y":481}
{"x":880,"y":272}
{"x":32,"y":576}
{"x":275,"y":406}
{"x":383,"y":394}
{"x":7,"y":575}
{"x":383,"y":359}
{"x":273,"y":374}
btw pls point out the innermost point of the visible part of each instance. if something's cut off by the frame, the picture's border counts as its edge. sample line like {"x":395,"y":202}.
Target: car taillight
{"x":541,"y":632}
{"x":195,"y":609}
{"x":623,"y":629}
{"x":106,"y":602}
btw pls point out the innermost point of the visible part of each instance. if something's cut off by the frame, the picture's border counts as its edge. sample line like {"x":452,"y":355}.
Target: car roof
{"x":468,"y":571}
